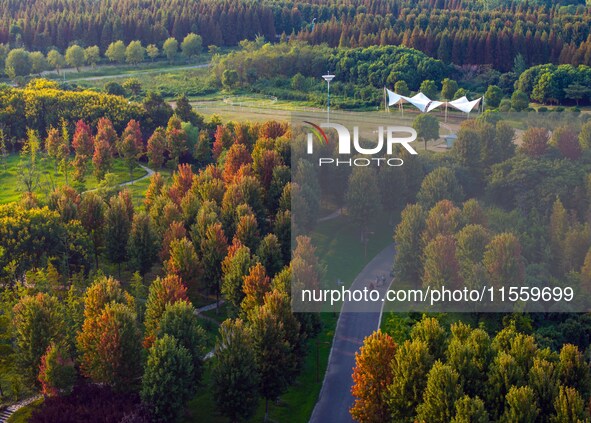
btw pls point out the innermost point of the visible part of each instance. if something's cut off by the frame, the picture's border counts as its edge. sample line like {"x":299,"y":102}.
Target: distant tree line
{"x":19,"y":62}
{"x":454,"y":31}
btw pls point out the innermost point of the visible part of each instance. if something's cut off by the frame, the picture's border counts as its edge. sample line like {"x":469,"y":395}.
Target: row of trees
{"x":436,"y":376}
{"x":41,"y":105}
{"x":450,"y":30}
{"x":555,"y":84}
{"x":19,"y":62}
{"x":372,"y":66}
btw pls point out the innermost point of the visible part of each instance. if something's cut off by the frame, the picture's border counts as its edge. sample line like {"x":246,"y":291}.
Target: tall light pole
{"x":328,"y":77}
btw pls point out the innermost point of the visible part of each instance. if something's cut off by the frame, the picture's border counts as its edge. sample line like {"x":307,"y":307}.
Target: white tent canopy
{"x":425,"y":104}
{"x":464,"y":105}
{"x":420,"y":101}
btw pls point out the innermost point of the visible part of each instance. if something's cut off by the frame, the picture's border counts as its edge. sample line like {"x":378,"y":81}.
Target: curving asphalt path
{"x":353,"y":326}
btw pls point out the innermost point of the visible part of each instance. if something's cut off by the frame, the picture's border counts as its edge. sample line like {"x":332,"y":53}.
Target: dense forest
{"x":462,"y":32}
{"x":98,"y":287}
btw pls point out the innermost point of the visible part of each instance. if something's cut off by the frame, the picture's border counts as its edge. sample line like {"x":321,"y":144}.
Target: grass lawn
{"x":11,"y":189}
{"x":169,"y":82}
{"x":108,"y":69}
{"x":338,"y":246}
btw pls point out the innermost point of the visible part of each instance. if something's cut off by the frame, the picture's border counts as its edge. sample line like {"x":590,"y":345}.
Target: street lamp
{"x":328,"y":77}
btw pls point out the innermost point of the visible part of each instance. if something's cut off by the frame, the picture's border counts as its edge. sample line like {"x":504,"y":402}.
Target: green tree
{"x":142,"y":248}
{"x":519,"y":101}
{"x":214,"y":248}
{"x":429,"y":88}
{"x":441,"y":393}
{"x":234,"y":372}
{"x":170,"y":48}
{"x":37,"y":321}
{"x":573,"y":371}
{"x":28,"y":167}
{"x":503,"y":260}
{"x":448,"y":88}
{"x":470,"y":410}
{"x":229,"y":78}
{"x":298,"y":82}
{"x":585,"y":136}
{"x":569,"y":406}
{"x":547,"y":89}
{"x":176,"y":138}
{"x":38,"y":62}
{"x":269,"y":254}
{"x":543,"y":379}
{"x":410,"y":368}
{"x":400,"y":87}
{"x":427,"y":128}
{"x":117,"y":228}
{"x":431,"y":333}
{"x":133,"y":86}
{"x":493,"y":96}
{"x":56,"y":60}
{"x":162,"y":291}
{"x":152,"y":51}
{"x":116,"y":52}
{"x":167,"y":383}
{"x":57,"y":374}
{"x":135,"y":52}
{"x":92,"y":55}
{"x":522,"y":405}
{"x":362,"y":197}
{"x":273,"y":355}
{"x":18,"y":63}
{"x":180,"y":321}
{"x":519,"y":65}
{"x":471,"y":243}
{"x":440,"y":184}
{"x":577,"y":92}
{"x":91,"y":212}
{"x":371,"y":376}
{"x":183,"y":109}
{"x":75,"y":56}
{"x":467,"y":148}
{"x":235,"y":267}
{"x":191,"y":45}
{"x":407,"y":263}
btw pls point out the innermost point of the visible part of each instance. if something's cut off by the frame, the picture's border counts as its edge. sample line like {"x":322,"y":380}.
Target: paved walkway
{"x":331,"y":216}
{"x":149,"y":172}
{"x":10,"y":410}
{"x":353,"y":326}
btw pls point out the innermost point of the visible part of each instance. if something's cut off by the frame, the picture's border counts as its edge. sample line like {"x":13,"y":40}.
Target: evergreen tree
{"x":167,"y":383}
{"x":234,"y":373}
{"x":142,"y":248}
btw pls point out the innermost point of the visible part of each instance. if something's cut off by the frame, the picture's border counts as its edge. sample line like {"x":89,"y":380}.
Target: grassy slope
{"x":11,"y":189}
